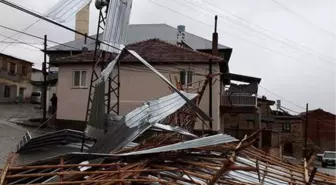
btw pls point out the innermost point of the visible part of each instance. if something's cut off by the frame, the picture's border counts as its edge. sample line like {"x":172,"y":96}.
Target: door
{"x":21,"y":92}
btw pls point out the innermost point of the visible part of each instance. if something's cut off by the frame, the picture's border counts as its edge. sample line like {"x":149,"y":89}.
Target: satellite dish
{"x":101,"y":3}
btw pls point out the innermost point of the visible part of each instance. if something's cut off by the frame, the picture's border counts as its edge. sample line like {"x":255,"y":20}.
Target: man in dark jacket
{"x":54,"y":103}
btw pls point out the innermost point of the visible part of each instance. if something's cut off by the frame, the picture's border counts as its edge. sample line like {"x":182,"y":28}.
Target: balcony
{"x":238,"y":103}
{"x":11,"y":76}
{"x":238,"y":100}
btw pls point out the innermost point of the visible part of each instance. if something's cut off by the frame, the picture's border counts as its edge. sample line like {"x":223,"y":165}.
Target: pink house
{"x":138,"y":83}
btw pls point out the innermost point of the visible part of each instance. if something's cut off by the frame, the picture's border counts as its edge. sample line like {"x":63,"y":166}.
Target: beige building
{"x":15,"y":75}
{"x":138,"y":83}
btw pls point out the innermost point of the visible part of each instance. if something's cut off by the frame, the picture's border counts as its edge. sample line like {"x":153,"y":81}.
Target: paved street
{"x":329,"y":169}
{"x":11,"y":133}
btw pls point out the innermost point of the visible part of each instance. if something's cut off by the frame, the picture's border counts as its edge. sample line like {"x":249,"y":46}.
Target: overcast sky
{"x":290,"y":44}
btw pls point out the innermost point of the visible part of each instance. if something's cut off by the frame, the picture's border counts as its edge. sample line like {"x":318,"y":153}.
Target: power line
{"x":18,"y":42}
{"x":15,"y":35}
{"x":53,"y":22}
{"x":22,"y":43}
{"x":290,"y":110}
{"x":283,"y":41}
{"x":288,"y":101}
{"x":288,"y":41}
{"x":242,"y":38}
{"x":26,"y":28}
{"x":5,"y":27}
{"x":283,"y":6}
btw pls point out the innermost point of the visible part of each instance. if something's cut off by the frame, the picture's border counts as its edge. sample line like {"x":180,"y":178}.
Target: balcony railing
{"x":238,"y":100}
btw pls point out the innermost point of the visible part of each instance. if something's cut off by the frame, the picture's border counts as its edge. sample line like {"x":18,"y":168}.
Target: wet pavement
{"x":11,"y":133}
{"x":331,"y":170}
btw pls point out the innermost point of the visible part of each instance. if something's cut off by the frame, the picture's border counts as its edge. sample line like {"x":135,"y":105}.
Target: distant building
{"x":37,"y":82}
{"x":15,"y":76}
{"x":283,"y":134}
{"x":321,"y":128}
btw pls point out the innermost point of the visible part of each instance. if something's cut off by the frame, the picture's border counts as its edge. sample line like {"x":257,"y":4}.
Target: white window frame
{"x":80,"y":79}
{"x":187,"y":83}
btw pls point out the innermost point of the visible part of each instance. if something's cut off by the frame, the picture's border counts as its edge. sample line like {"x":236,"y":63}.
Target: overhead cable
{"x":18,"y":41}
{"x":53,"y":22}
{"x":12,"y":29}
{"x":23,"y":30}
{"x":247,"y":25}
{"x":303,"y":18}
{"x":240,"y":37}
{"x":288,"y":101}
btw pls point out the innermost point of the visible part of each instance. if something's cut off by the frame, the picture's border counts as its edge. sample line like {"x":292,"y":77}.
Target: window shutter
{"x":183,"y":77}
{"x":83,"y":79}
{"x":189,"y":76}
{"x":76,"y":80}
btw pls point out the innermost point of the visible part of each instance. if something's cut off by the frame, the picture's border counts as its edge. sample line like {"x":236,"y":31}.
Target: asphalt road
{"x":10,"y":133}
{"x":331,"y":170}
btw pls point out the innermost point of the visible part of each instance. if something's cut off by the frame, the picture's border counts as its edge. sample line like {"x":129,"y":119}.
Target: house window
{"x":79,"y":79}
{"x":11,"y":68}
{"x":286,"y":127}
{"x":7,"y":91}
{"x":24,"y":71}
{"x":186,"y":77}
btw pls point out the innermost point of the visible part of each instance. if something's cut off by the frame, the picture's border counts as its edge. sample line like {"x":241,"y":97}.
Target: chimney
{"x":82,"y":21}
{"x":215,"y":40}
{"x":85,"y":48}
{"x":180,"y":34}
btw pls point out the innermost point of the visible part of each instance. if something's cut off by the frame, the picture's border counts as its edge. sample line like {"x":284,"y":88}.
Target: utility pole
{"x":44,"y":69}
{"x":306,"y":132}
{"x":210,"y":92}
{"x":214,"y":53}
{"x":259,"y":125}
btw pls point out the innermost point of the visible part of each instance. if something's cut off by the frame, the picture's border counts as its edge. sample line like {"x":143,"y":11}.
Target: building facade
{"x":321,"y":129}
{"x":15,"y":76}
{"x":282,"y":134}
{"x":137,"y":83}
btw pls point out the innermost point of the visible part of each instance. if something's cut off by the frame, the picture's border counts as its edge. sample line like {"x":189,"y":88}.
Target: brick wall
{"x":322,"y":129}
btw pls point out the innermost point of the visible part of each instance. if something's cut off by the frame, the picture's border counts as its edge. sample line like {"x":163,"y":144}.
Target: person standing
{"x":53,"y":100}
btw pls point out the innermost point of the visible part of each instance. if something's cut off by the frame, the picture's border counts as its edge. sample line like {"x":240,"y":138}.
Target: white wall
{"x":37,"y":76}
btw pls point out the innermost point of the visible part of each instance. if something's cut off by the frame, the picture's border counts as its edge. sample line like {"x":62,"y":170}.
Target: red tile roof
{"x":152,"y":50}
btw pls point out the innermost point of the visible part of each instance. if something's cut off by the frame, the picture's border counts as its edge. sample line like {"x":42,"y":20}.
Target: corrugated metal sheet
{"x":156,"y":110}
{"x":51,"y":140}
{"x":172,"y":129}
{"x":65,"y":9}
{"x":121,"y":132}
{"x":190,"y":103}
{"x":195,"y":143}
{"x":117,"y":22}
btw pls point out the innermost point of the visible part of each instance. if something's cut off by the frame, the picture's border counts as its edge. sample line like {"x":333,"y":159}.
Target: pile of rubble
{"x":153,"y":144}
{"x":167,"y":158}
